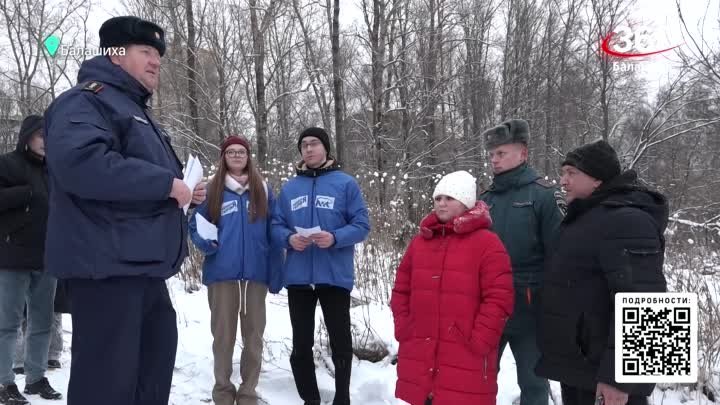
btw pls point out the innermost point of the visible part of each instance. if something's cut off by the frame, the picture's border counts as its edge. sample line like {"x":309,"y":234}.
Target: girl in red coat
{"x":453,"y":293}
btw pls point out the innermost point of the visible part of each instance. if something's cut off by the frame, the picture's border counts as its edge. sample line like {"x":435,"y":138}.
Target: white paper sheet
{"x":193,"y":175}
{"x":205,"y":228}
{"x":307,"y":232}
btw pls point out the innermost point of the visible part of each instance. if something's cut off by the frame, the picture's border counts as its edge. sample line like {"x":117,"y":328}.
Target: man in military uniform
{"x":526,"y":212}
{"x":116,"y":228}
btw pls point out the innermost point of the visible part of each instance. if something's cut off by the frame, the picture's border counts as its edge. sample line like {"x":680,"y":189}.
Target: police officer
{"x":526,"y":212}
{"x":116,"y":228}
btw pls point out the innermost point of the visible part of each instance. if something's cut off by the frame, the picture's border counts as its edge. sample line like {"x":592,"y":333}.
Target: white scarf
{"x":235,"y":185}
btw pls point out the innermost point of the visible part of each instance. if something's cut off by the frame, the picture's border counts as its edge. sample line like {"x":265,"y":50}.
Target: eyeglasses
{"x":235,"y":153}
{"x":307,"y":145}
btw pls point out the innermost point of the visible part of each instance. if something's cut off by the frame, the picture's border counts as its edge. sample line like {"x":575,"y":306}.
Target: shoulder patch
{"x":95,"y":87}
{"x":545,"y":183}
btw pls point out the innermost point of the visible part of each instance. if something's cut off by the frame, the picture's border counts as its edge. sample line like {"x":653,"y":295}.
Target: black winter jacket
{"x":610,"y":242}
{"x":23,"y":208}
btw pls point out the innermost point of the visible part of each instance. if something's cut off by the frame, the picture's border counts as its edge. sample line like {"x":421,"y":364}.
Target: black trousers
{"x":123,"y":343}
{"x":335,"y":304}
{"x":580,"y":396}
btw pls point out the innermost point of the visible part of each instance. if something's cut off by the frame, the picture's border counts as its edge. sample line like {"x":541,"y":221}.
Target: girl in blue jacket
{"x":239,"y":268}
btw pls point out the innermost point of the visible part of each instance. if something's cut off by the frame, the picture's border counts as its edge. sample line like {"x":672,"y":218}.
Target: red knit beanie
{"x":234,"y":140}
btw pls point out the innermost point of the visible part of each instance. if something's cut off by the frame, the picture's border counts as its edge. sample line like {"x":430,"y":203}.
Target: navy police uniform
{"x":113,"y":231}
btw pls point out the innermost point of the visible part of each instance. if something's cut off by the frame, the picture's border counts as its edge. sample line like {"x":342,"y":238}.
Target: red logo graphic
{"x":624,"y":42}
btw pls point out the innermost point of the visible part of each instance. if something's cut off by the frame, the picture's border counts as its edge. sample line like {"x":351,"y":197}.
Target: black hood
{"x":101,"y":69}
{"x":624,"y":191}
{"x":29,"y":126}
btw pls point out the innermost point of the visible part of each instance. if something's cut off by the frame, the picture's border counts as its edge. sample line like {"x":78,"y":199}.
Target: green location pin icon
{"x":51,"y":44}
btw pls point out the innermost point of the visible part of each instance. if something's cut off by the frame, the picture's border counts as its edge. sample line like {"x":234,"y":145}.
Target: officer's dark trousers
{"x":335,"y":304}
{"x":521,"y":334}
{"x":579,"y":396}
{"x":124,"y":342}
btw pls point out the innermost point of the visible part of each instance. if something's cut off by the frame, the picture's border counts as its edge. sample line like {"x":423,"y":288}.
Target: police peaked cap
{"x":131,"y":30}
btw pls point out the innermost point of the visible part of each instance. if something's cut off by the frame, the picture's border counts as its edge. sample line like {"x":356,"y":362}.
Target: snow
{"x":372,"y":383}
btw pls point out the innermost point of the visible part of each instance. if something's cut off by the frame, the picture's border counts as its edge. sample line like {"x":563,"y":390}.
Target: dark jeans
{"x":37,"y":290}
{"x":335,"y":304}
{"x":123,"y":343}
{"x":56,"y":341}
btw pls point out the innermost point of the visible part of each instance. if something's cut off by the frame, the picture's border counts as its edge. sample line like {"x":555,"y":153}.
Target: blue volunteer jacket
{"x":244,"y":250}
{"x":111,"y":169}
{"x":330,"y":199}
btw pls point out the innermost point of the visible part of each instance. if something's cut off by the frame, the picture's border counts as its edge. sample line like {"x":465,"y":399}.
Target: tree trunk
{"x":377,"y":32}
{"x":191,"y":70}
{"x":337,"y":84}
{"x":312,"y":68}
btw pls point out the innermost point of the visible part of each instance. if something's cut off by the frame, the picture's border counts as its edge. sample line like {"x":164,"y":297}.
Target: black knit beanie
{"x":318,"y":133}
{"x":597,"y":159}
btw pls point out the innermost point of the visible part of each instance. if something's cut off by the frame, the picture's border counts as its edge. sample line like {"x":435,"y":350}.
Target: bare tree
{"x":338,"y":95}
{"x":607,"y":15}
{"x":191,"y":51}
{"x":27,"y":25}
{"x":259,"y":29}
{"x":314,"y":64}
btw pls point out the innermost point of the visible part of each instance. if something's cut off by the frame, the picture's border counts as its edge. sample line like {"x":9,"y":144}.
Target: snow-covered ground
{"x":372,"y":383}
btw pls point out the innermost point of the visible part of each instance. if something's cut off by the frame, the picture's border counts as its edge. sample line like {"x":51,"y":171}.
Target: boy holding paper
{"x":232,"y":229}
{"x":319,"y":265}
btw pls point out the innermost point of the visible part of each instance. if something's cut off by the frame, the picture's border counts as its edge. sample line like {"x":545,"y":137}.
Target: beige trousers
{"x":227,"y":299}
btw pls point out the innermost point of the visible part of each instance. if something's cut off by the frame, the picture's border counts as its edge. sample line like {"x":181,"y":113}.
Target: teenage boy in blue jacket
{"x":320,"y":266}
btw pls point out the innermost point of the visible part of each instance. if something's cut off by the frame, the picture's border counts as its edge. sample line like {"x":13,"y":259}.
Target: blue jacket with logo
{"x":111,"y":169}
{"x":332,"y":200}
{"x":244,"y":250}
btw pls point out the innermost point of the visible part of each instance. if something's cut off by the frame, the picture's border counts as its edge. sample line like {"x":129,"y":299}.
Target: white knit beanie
{"x":459,"y":185}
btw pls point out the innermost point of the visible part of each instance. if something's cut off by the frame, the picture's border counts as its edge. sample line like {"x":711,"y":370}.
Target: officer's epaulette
{"x":95,"y":87}
{"x":544,"y":183}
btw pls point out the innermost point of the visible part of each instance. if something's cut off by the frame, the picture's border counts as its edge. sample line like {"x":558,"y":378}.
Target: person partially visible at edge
{"x":611,"y":241}
{"x":61,"y":306}
{"x":452,"y":296}
{"x":24,"y":279}
{"x":116,"y":229}
{"x":320,"y":267}
{"x":526,"y":212}
{"x":239,"y":268}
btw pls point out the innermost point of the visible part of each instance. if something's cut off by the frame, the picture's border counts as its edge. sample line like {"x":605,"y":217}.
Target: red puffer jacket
{"x":453,"y":294}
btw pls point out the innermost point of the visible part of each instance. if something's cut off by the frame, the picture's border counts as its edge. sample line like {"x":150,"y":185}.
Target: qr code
{"x":656,"y":337}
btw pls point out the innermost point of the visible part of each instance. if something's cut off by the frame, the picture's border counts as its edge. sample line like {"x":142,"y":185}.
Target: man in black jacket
{"x":23,"y":221}
{"x":610,"y":241}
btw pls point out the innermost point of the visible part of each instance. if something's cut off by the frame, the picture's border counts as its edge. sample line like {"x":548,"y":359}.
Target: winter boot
{"x":9,"y":395}
{"x":43,"y":389}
